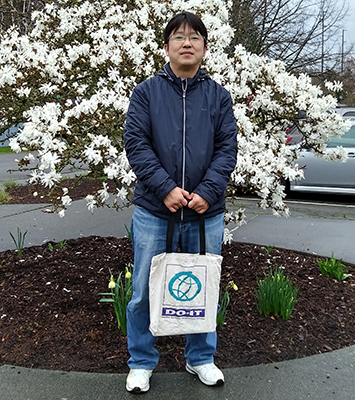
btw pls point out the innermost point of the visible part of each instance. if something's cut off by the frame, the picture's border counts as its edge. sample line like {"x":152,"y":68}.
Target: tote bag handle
{"x":170,"y":234}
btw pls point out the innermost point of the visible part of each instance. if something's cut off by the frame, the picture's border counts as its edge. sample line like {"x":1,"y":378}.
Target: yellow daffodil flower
{"x":112,"y":283}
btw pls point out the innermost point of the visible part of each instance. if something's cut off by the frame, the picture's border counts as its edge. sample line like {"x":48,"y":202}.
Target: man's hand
{"x":198,"y":203}
{"x":176,"y":199}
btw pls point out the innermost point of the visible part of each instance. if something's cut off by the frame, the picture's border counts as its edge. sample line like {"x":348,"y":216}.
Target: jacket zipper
{"x":184,"y":89}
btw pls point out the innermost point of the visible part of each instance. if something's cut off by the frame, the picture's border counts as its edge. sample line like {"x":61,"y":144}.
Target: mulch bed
{"x":50,"y":315}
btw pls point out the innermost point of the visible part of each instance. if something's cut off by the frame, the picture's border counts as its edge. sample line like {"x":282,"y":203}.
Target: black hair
{"x":185,"y":18}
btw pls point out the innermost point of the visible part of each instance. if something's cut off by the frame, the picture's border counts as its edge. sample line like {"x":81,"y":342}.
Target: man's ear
{"x":204,"y":53}
{"x":166,"y":48}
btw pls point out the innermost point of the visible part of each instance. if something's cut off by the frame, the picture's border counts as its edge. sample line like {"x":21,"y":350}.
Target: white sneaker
{"x":138,"y":380}
{"x":208,"y":374}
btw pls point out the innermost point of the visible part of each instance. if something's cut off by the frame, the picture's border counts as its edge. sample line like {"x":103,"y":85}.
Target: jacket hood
{"x":167,"y":73}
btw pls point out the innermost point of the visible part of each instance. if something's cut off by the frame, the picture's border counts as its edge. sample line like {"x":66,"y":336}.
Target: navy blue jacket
{"x":180,"y":133}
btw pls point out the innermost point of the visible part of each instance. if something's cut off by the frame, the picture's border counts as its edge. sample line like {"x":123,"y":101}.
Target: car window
{"x":349,"y":114}
{"x":347,"y":140}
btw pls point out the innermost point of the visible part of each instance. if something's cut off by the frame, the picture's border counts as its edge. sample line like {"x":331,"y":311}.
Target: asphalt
{"x":322,"y":230}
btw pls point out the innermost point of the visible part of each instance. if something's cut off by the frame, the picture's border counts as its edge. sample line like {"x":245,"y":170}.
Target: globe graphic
{"x":184,"y":286}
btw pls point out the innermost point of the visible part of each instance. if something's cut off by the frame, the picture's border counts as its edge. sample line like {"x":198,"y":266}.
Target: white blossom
{"x":334,"y":86}
{"x":122,"y":193}
{"x":103,"y":193}
{"x":78,"y":90}
{"x":24,"y":91}
{"x":48,"y":88}
{"x":49,"y":160}
{"x":90,"y":202}
{"x":14,"y":145}
{"x":128,"y":178}
{"x":228,"y":236}
{"x":50,"y":178}
{"x":66,"y":200}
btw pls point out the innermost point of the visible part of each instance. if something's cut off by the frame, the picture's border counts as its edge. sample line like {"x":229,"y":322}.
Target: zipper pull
{"x":184,"y":88}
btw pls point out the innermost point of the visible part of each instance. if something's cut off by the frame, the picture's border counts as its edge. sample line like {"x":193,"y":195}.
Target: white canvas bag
{"x":184,"y":289}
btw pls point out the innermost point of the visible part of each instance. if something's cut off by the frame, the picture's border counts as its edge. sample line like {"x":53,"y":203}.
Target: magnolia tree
{"x":69,"y":82}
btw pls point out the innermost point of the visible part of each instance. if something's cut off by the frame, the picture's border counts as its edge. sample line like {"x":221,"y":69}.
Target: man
{"x":180,"y":139}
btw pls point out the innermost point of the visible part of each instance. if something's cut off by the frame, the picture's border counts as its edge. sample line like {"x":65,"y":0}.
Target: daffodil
{"x":128,"y":274}
{"x":232,"y":285}
{"x":112,"y":283}
{"x":119,"y":297}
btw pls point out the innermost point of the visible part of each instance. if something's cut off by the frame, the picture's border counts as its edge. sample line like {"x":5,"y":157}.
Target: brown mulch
{"x":78,"y":189}
{"x":50,"y":315}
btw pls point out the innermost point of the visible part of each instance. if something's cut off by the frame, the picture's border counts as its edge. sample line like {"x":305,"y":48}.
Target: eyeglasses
{"x":180,"y":38}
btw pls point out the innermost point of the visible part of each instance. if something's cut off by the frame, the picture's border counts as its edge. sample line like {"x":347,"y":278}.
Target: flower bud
{"x":112,"y":283}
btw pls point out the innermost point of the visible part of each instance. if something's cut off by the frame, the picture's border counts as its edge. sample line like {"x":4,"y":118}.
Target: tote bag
{"x":184,"y":289}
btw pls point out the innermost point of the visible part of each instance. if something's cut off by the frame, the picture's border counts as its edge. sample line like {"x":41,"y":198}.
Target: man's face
{"x":185,"y":54}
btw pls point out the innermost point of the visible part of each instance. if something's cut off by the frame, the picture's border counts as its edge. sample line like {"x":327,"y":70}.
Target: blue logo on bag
{"x":184,"y":286}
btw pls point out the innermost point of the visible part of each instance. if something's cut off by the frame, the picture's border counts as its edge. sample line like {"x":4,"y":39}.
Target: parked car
{"x":322,"y":176}
{"x":346,"y":112}
{"x":293,"y":135}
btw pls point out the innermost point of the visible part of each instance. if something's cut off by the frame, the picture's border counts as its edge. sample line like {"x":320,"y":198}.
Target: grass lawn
{"x":5,"y":150}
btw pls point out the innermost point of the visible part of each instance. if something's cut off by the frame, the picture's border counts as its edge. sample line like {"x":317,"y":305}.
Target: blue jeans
{"x":149,"y":239}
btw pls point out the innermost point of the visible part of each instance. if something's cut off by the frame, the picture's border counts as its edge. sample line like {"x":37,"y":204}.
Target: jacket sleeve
{"x":138,"y":145}
{"x":217,"y":176}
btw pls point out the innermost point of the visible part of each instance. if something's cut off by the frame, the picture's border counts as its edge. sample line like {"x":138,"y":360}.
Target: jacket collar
{"x":167,"y":73}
